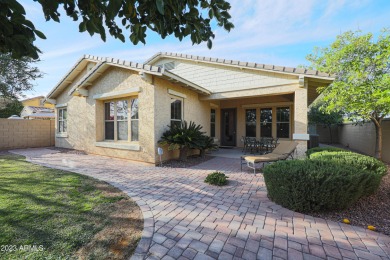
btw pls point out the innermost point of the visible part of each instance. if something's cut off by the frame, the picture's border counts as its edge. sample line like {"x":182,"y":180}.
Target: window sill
{"x":116,"y":145}
{"x":62,"y":135}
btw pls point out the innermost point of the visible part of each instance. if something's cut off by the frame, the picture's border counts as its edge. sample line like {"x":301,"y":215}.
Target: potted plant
{"x":183,"y":137}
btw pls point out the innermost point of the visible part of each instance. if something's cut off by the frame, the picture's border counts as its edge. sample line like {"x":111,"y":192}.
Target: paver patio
{"x":188,"y":219}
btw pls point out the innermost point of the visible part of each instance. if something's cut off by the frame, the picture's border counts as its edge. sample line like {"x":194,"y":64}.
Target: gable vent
{"x":169,"y":65}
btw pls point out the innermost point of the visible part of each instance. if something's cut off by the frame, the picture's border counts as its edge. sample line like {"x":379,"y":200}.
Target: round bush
{"x":315,"y":185}
{"x":323,"y":149}
{"x":361,"y":162}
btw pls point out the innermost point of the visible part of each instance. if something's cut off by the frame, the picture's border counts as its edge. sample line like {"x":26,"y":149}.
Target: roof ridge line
{"x":243,"y":64}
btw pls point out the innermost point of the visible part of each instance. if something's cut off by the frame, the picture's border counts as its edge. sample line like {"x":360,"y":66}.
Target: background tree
{"x":180,"y":18}
{"x":361,"y":65}
{"x":10,"y":107}
{"x":319,"y":116}
{"x":16,"y":76}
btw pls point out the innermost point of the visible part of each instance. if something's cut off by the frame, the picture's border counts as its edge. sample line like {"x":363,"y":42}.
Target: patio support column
{"x":300,"y":118}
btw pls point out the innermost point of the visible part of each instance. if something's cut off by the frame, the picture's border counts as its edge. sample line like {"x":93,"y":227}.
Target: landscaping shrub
{"x":316,"y":185}
{"x":323,"y":149}
{"x":216,"y":178}
{"x":361,"y":162}
{"x":183,"y":137}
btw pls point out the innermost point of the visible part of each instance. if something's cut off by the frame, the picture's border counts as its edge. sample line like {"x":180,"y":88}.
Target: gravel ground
{"x":373,"y":210}
{"x":191,"y":161}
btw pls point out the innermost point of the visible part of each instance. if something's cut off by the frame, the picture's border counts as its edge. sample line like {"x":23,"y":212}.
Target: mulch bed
{"x":373,"y":210}
{"x":191,"y":161}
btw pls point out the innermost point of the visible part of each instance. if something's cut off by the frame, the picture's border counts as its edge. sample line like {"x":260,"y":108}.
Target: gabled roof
{"x":103,"y":63}
{"x":241,"y":64}
{"x":35,"y":109}
{"x":40,"y":115}
{"x":31,"y":98}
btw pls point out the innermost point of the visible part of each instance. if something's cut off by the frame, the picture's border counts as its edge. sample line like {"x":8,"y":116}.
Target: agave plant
{"x":183,"y":137}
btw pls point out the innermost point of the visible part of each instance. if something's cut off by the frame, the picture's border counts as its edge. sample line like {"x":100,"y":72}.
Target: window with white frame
{"x":116,"y":120}
{"x":134,"y":119}
{"x":122,"y":121}
{"x":109,"y":120}
{"x":62,"y":120}
{"x":176,"y":111}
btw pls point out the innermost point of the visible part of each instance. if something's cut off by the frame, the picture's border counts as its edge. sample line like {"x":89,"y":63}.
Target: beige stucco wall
{"x":26,"y":133}
{"x":194,"y":110}
{"x":86,"y":116}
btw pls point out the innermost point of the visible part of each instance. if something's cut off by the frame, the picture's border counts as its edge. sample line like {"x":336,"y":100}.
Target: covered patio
{"x":278,"y":112}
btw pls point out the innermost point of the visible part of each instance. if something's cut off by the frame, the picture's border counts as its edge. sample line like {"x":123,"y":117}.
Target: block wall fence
{"x":18,"y":133}
{"x":359,"y":137}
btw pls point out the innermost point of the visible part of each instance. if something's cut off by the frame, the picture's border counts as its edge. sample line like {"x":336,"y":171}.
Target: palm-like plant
{"x":183,"y":137}
{"x":206,"y":143}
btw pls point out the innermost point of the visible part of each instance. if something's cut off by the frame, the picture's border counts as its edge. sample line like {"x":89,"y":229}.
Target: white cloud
{"x":263,"y":30}
{"x":66,"y":50}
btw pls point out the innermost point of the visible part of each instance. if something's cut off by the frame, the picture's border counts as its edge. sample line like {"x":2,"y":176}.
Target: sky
{"x":278,"y":32}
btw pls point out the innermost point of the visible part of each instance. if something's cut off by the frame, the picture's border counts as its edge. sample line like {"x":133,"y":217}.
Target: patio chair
{"x":266,"y":144}
{"x":249,"y":143}
{"x":283,"y":151}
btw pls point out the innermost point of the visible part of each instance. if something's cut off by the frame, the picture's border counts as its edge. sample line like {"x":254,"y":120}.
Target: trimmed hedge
{"x":314,"y":185}
{"x":330,"y":179}
{"x":361,"y":162}
{"x":323,"y":149}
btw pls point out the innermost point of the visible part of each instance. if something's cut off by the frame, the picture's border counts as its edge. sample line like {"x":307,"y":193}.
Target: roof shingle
{"x":242,"y":64}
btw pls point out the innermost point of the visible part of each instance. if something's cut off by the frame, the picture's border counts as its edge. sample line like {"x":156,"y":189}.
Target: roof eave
{"x":241,"y":65}
{"x":63,"y":80}
{"x":99,"y":69}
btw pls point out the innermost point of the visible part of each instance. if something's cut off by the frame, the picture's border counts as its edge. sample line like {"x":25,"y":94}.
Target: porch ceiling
{"x":249,"y":93}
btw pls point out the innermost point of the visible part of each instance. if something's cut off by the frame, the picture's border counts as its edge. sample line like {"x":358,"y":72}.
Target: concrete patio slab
{"x":188,"y":219}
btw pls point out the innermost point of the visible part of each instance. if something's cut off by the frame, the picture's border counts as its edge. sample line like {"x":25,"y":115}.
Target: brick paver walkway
{"x":188,"y":219}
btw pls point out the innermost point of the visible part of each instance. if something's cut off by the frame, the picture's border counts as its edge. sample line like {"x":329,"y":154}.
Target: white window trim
{"x":129,"y":121}
{"x":119,"y":94}
{"x":61,"y":105}
{"x":58,"y":120}
{"x":176,"y":93}
{"x":119,"y":145}
{"x":61,"y":135}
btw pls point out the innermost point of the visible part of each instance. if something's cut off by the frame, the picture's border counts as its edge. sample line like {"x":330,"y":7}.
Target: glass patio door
{"x":228,"y":127}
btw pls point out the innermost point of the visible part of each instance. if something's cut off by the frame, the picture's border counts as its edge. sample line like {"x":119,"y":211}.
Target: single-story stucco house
{"x":119,"y":108}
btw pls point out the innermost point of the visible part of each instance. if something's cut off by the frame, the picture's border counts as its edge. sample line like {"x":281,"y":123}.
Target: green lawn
{"x":53,"y":214}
